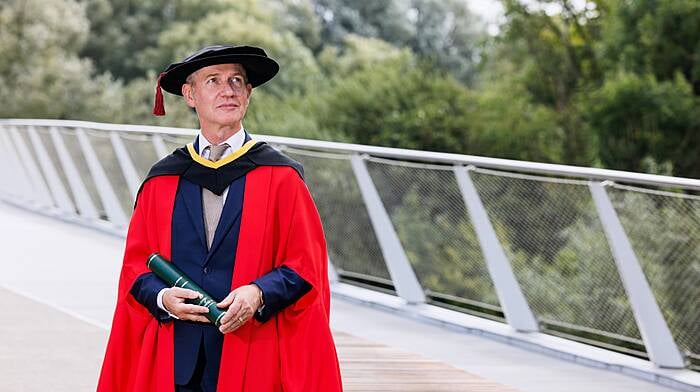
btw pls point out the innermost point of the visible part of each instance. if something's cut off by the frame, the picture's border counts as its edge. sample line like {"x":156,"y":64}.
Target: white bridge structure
{"x":504,"y":268}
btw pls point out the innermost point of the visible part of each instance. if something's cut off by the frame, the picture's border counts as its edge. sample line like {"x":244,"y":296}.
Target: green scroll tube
{"x":176,"y":278}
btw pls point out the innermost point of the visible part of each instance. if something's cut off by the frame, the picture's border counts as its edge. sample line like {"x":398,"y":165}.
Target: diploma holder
{"x":176,"y":278}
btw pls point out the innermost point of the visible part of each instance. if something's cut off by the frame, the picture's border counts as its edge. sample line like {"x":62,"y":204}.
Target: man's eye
{"x":211,"y":80}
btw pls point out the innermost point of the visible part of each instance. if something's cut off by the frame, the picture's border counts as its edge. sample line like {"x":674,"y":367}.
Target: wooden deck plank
{"x":372,"y":367}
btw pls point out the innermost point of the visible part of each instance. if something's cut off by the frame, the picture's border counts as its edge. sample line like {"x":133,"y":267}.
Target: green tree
{"x":385,"y":19}
{"x":643,"y":120}
{"x":410,"y":108}
{"x":44,"y":77}
{"x":122,"y":30}
{"x":554,"y":52}
{"x":444,"y":32}
{"x":449,"y":34}
{"x":657,"y":42}
{"x":659,"y":37}
{"x":300,"y":18}
{"x":507,"y":123}
{"x":620,"y":76}
{"x":386,"y":97}
{"x":380,"y":94}
{"x":549,"y":59}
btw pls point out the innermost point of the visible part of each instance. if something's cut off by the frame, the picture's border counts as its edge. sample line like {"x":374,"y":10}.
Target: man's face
{"x":220,"y":95}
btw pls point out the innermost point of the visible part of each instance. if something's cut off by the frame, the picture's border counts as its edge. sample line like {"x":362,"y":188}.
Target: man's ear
{"x":187,"y":94}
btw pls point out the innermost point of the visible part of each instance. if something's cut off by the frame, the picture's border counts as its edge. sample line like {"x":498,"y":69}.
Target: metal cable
{"x":664,"y":230}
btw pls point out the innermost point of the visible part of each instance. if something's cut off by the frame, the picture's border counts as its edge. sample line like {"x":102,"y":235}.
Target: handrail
{"x":407,"y":154}
{"x":404,"y":277}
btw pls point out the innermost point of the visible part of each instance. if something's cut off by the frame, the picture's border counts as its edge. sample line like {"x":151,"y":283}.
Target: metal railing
{"x":601,"y":256}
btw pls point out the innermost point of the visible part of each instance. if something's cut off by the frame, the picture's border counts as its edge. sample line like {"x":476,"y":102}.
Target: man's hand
{"x":174,"y":302}
{"x":242,"y":303}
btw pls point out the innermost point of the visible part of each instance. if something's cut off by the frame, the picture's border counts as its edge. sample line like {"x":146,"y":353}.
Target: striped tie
{"x":213,"y":203}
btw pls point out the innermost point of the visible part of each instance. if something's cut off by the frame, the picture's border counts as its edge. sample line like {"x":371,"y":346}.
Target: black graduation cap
{"x":258,"y":66}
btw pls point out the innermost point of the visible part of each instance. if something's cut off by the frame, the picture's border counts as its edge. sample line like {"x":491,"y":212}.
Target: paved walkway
{"x":44,"y":349}
{"x":48,"y":261}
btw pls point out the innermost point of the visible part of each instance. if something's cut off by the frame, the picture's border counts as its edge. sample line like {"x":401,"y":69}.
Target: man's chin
{"x":228,"y":118}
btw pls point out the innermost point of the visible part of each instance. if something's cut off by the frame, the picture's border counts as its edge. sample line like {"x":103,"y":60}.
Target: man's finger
{"x":225,"y":328}
{"x":227,"y":301}
{"x":230,"y":316}
{"x":226,"y":318}
{"x":232,"y":325}
{"x":185,"y":293}
{"x":235,"y":306}
{"x":195,"y":309}
{"x":197,"y":318}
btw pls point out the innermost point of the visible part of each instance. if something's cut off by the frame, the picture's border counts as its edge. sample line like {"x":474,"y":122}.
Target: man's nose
{"x":229,"y":90}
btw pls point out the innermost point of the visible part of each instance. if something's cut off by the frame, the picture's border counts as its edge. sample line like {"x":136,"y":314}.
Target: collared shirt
{"x":235,"y":142}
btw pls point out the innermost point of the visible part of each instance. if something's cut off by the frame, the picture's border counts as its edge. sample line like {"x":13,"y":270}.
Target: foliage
{"x":621,"y":77}
{"x":658,"y":42}
{"x":640,"y":117}
{"x":608,"y":83}
{"x":45,"y":77}
{"x":533,"y":129}
{"x":123,"y":31}
{"x":659,"y":37}
{"x":376,"y":98}
{"x":664,"y":232}
{"x":444,"y":32}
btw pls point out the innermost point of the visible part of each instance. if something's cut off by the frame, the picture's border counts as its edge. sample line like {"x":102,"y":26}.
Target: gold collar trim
{"x":221,"y":162}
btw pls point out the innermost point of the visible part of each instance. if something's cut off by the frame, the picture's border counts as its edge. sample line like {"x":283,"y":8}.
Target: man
{"x":236,"y":217}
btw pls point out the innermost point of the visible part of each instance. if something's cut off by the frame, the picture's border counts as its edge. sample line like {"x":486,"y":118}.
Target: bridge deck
{"x":53,"y":263}
{"x":368,"y":366}
{"x":45,"y":349}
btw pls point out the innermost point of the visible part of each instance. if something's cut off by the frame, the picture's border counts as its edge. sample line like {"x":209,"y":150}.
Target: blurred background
{"x":604,"y":83}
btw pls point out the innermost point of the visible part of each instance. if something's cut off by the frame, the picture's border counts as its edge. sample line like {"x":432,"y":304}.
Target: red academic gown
{"x":294,"y":351}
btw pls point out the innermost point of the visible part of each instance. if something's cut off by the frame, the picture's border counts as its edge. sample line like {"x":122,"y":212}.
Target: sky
{"x":490,"y":10}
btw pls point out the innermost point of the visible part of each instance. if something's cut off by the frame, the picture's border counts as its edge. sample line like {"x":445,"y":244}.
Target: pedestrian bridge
{"x":449,"y":272}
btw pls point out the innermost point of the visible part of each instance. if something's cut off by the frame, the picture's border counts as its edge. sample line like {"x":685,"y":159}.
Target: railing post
{"x":402,"y":274}
{"x":5,"y":182}
{"x":128,"y":169}
{"x":40,"y":192}
{"x":159,"y":146}
{"x":658,"y":340}
{"x":86,"y":208}
{"x":114,"y":211}
{"x":332,"y":273}
{"x":17,"y":184}
{"x":515,"y":306}
{"x":63,"y":202}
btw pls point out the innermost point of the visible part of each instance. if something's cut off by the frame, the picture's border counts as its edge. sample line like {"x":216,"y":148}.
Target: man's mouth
{"x":228,"y":106}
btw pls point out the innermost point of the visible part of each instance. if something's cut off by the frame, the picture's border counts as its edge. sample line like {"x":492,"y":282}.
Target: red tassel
{"x":158,"y":106}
